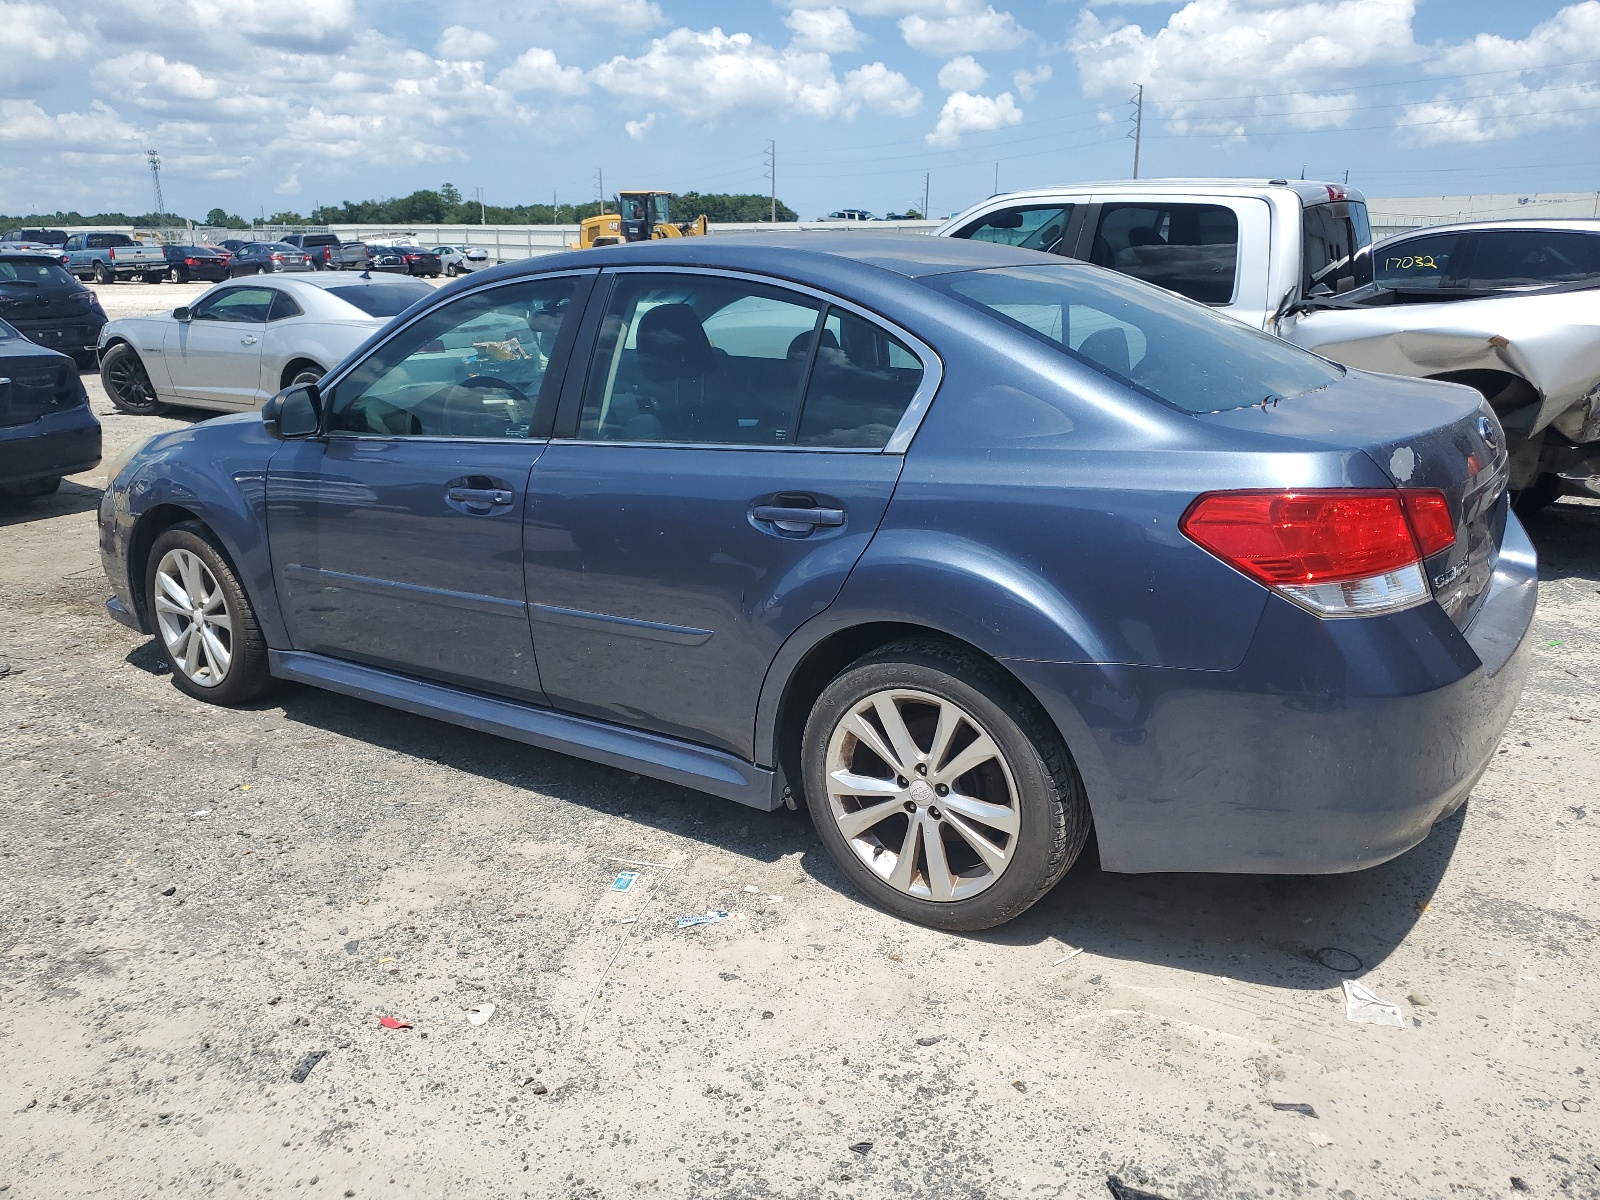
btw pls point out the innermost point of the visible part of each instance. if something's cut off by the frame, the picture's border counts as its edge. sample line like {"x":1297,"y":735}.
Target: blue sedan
{"x":966,"y":548}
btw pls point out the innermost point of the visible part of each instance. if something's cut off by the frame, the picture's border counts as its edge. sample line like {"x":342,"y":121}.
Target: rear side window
{"x":716,"y":361}
{"x":283,"y":305}
{"x":1033,"y":227}
{"x":1333,"y":233}
{"x":1161,"y":345}
{"x":382,"y":299}
{"x":1509,"y":258}
{"x":1191,"y":249}
{"x":1421,"y":263}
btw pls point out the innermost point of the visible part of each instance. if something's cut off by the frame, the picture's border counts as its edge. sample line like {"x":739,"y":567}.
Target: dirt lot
{"x":197,"y":899}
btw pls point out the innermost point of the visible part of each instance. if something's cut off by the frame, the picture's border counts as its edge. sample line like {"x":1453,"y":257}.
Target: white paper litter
{"x":481,"y":1014}
{"x":1362,"y":1006}
{"x":752,"y":889}
{"x":1067,"y":955}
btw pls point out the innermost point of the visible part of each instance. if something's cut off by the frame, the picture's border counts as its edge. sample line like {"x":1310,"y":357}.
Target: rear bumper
{"x":1335,"y":746}
{"x":77,"y":334}
{"x":59,"y":443}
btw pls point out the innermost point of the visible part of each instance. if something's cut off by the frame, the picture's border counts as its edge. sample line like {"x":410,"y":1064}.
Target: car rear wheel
{"x":127,"y":382}
{"x":204,"y":619}
{"x":306,"y":373}
{"x":939,"y":789}
{"x":452,"y":270}
{"x":102,"y":273}
{"x":175,"y":275}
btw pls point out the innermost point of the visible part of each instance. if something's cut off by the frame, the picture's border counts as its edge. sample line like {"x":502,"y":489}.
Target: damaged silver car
{"x":1511,"y":308}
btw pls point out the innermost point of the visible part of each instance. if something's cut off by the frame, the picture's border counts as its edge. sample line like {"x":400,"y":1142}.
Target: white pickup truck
{"x":1514,"y":313}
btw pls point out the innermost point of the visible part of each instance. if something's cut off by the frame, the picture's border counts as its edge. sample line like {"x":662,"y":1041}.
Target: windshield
{"x":32,"y":270}
{"x":382,"y":299}
{"x":1333,"y":233}
{"x":1167,"y":347}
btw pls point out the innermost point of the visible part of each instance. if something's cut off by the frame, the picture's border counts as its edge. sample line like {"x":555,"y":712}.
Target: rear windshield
{"x":382,"y":299}
{"x":1159,"y":344}
{"x":1333,"y":233}
{"x":7,"y":333}
{"x":319,"y":239}
{"x":32,"y":270}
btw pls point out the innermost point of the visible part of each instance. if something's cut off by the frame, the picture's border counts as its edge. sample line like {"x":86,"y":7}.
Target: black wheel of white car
{"x":102,"y":273}
{"x":942,"y":792}
{"x":204,"y":619}
{"x":127,"y":383}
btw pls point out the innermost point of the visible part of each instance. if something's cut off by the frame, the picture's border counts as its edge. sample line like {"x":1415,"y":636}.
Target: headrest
{"x":672,"y":344}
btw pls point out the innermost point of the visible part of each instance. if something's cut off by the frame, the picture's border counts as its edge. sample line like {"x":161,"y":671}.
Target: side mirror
{"x":180,"y":314}
{"x":294,"y":413}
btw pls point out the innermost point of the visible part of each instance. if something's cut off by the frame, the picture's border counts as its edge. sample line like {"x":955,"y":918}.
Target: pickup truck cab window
{"x":1031,"y":226}
{"x":1191,"y":249}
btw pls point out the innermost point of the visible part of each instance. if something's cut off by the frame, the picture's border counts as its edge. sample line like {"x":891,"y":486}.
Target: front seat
{"x":673,"y":350}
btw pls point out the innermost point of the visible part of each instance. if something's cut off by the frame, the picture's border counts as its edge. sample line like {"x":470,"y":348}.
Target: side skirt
{"x":684,"y":763}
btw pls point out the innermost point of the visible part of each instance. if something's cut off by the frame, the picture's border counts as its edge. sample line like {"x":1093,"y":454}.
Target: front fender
{"x":218,"y":472}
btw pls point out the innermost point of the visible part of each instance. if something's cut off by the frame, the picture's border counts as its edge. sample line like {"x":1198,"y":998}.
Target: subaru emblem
{"x":1489,"y":431}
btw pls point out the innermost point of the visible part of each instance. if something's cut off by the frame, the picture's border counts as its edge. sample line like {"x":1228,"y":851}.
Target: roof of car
{"x":1562,"y":224}
{"x":329,"y":279}
{"x":1312,"y":191}
{"x":911,"y":255}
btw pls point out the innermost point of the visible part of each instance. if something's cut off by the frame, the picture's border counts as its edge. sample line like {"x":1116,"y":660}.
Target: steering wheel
{"x":460,"y":423}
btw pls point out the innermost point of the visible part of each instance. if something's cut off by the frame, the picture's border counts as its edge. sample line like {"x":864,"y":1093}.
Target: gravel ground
{"x":198,"y":902}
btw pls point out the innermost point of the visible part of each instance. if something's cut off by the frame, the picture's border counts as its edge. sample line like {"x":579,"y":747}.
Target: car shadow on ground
{"x":1567,"y":537}
{"x":71,"y":498}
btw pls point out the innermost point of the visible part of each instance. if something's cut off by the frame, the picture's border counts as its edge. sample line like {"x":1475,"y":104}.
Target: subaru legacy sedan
{"x":964,"y":547}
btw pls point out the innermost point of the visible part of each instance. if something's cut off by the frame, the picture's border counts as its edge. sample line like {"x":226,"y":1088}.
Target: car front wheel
{"x":127,"y":383}
{"x":940,"y":789}
{"x":204,"y":619}
{"x":175,"y":275}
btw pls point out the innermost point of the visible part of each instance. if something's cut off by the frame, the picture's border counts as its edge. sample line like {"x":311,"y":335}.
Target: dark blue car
{"x":966,"y":547}
{"x":46,"y":428}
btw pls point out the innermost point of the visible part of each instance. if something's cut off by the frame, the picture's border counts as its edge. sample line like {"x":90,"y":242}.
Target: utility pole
{"x":600,"y":187}
{"x":925,"y":177}
{"x":996,"y":191}
{"x":772,"y":177}
{"x":483,"y":216}
{"x":155,"y":175}
{"x":555,"y":208}
{"x":1138,"y":127}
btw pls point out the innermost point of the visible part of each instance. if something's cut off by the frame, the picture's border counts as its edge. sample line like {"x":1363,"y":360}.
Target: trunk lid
{"x":34,"y":382}
{"x":1420,"y":434}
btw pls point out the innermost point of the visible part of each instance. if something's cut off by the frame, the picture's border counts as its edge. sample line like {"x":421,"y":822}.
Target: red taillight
{"x":277,"y":258}
{"x":191,"y":262}
{"x":1338,"y":551}
{"x":411,"y":258}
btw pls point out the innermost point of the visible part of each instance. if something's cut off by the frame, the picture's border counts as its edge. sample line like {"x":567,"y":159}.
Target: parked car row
{"x":965,"y":546}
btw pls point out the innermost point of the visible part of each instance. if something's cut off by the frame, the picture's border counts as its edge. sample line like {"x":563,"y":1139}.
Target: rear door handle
{"x":808,"y":518}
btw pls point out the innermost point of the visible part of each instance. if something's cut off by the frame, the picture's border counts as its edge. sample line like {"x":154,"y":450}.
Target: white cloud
{"x":35,"y":41}
{"x":1231,"y":47}
{"x":826,"y":29}
{"x":966,"y":113}
{"x":459,"y":42}
{"x":1026,"y":81}
{"x":537,"y":70}
{"x":961,"y":27}
{"x":637,"y":129}
{"x":25,"y":122}
{"x":1558,"y":96}
{"x":625,"y":16}
{"x":962,"y":74}
{"x":152,"y":82}
{"x":710,"y":74}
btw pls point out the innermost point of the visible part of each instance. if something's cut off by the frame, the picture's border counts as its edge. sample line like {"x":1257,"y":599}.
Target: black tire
{"x":127,"y":383}
{"x":306,"y":373}
{"x":1053,"y":811}
{"x":246,"y":676}
{"x":1544,"y":492}
{"x":177,"y":275}
{"x":452,"y":270}
{"x":102,"y":274}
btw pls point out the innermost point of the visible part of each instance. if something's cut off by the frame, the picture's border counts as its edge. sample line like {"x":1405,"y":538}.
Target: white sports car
{"x":458,"y":260}
{"x":245,"y":340}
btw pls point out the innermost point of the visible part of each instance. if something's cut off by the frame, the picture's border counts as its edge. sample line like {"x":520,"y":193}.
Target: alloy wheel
{"x":129,"y":384}
{"x":923,"y":795}
{"x":193,"y":618}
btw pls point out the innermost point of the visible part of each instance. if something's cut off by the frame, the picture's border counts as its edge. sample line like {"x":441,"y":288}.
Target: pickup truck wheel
{"x":127,"y":382}
{"x":103,"y":274}
{"x":941,"y":790}
{"x":204,"y":619}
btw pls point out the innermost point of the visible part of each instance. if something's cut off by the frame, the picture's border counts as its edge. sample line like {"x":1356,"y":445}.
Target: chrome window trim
{"x":910,"y":421}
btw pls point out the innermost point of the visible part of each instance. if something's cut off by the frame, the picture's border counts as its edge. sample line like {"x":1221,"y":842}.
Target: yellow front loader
{"x":640,"y":217}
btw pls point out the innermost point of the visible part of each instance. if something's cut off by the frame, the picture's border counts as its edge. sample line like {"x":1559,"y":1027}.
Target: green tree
{"x":450,"y":194}
{"x":221,"y":218}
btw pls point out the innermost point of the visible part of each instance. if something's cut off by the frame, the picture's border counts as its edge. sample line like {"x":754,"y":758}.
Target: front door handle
{"x":248,"y":341}
{"x":479,"y":496}
{"x":798,"y":516}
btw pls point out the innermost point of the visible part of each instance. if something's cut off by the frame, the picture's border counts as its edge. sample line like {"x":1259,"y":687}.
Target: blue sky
{"x":285,"y":104}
